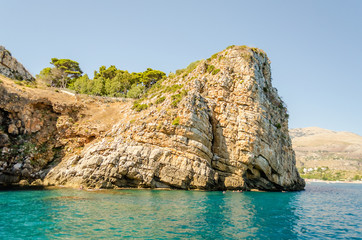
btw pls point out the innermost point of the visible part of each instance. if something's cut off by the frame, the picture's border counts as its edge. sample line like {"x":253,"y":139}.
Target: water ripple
{"x":328,"y":211}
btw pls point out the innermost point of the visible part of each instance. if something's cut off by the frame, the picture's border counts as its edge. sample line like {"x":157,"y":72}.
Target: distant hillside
{"x":317,"y":147}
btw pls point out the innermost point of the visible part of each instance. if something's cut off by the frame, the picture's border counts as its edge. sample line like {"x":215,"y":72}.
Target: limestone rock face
{"x":11,"y":68}
{"x":29,"y":133}
{"x":218,"y":126}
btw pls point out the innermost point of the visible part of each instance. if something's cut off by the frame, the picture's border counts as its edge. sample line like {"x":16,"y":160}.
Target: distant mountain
{"x":318,"y":147}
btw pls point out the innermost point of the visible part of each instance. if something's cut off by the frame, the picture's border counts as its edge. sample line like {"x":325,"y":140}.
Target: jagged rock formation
{"x":218,"y":126}
{"x":11,"y":68}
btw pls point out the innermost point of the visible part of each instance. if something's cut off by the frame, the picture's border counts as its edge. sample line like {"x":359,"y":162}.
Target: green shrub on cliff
{"x":173,"y":88}
{"x":177,"y":98}
{"x":160,"y":100}
{"x":210,"y":68}
{"x":216,"y":71}
{"x":176,"y":121}
{"x":138,"y":106}
{"x":188,"y":69}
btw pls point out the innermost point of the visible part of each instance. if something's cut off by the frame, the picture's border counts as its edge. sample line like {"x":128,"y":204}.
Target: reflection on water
{"x":322,"y":211}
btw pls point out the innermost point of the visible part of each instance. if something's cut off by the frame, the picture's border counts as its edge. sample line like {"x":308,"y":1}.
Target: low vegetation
{"x":177,"y":98}
{"x":160,"y":100}
{"x":324,"y":173}
{"x":188,"y":69}
{"x":173,"y":88}
{"x":210,"y":68}
{"x":109,"y":81}
{"x":176,"y":121}
{"x":138,"y":106}
{"x":216,"y":71}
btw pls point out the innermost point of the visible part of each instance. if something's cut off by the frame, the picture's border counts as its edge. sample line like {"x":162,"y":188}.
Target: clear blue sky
{"x":315,"y":46}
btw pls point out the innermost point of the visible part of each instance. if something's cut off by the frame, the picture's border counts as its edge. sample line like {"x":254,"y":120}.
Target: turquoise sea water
{"x":323,"y":211}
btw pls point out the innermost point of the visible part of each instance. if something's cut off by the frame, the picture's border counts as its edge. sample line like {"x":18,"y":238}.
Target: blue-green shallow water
{"x":323,"y":211}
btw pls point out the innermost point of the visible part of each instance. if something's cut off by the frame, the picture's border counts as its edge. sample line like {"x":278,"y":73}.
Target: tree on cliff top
{"x":63,"y":74}
{"x":150,"y":77}
{"x":69,"y":70}
{"x":114,"y":82}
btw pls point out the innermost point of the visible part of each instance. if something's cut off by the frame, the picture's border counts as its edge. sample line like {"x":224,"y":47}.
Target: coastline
{"x":326,"y":181}
{"x":43,"y":187}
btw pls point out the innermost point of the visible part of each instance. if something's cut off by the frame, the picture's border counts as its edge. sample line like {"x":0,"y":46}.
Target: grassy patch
{"x":138,"y":106}
{"x":243,"y":47}
{"x":214,"y":55}
{"x":216,"y":71}
{"x":19,"y":83}
{"x":31,"y":85}
{"x":188,"y":69}
{"x":160,"y":100}
{"x":258,"y":51}
{"x":210,"y":68}
{"x":155,"y":87}
{"x":176,"y":121}
{"x":177,"y":98}
{"x":173,"y":88}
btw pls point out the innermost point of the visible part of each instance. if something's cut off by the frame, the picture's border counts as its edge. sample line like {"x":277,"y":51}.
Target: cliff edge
{"x":220,"y":125}
{"x":11,"y":68}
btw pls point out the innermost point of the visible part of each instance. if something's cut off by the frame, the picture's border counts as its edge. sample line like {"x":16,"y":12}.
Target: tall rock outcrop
{"x":218,"y":126}
{"x":11,"y":68}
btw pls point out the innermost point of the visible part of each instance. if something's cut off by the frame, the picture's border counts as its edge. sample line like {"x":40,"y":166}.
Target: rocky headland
{"x":218,"y":126}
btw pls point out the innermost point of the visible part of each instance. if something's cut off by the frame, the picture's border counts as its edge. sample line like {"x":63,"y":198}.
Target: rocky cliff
{"x":11,"y":68}
{"x":220,"y":125}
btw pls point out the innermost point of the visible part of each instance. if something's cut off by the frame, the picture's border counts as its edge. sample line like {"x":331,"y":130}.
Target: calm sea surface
{"x":323,"y":211}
